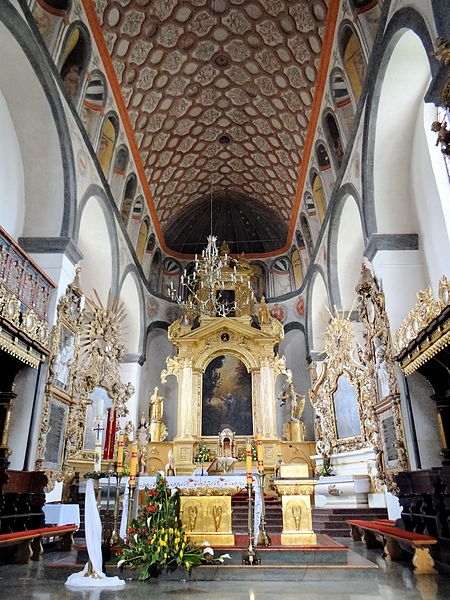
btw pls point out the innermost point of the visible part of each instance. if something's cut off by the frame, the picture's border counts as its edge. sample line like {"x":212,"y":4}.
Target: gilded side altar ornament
{"x":157,"y":428}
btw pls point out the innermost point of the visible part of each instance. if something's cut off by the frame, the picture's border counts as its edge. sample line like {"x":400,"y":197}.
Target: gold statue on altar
{"x":157,"y":428}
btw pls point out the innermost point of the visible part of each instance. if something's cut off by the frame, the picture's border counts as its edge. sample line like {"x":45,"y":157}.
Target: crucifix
{"x":98,"y":443}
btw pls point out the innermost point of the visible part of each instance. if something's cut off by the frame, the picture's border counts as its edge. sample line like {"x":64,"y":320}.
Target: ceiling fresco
{"x":219,"y":93}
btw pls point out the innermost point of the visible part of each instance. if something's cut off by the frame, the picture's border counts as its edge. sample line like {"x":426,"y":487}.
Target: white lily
{"x":222,"y":557}
{"x":208,"y":550}
{"x":121,"y":562}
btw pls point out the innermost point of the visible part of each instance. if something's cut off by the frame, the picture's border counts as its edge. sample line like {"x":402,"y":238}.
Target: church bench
{"x":29,"y":543}
{"x":391,"y":538}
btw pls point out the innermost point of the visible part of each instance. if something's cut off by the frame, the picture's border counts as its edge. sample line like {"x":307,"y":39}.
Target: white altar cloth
{"x":197,"y":482}
{"x":62,"y":514}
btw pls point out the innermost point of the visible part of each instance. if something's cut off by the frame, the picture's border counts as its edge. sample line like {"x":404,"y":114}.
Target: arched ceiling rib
{"x":192,"y":72}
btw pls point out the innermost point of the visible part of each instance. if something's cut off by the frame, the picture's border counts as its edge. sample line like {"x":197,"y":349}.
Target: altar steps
{"x":329,"y":559}
{"x":274,"y":514}
{"x":332,"y":521}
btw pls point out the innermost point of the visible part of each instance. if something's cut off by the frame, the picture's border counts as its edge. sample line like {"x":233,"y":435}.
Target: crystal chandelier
{"x":206,"y":291}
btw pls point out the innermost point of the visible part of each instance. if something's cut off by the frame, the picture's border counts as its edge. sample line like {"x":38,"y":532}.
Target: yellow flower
{"x":187,"y":564}
{"x":183,"y":545}
{"x":181,"y":553}
{"x":165,"y":554}
{"x":166,"y":537}
{"x":162,"y":530}
{"x":170,"y":530}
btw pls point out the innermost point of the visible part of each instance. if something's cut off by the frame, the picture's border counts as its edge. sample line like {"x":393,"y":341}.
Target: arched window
{"x":319,"y":195}
{"x":354,"y":62}
{"x":304,"y":226}
{"x":334,"y":139}
{"x":343,"y":106}
{"x":128,"y":197}
{"x":107,"y":143}
{"x":75,"y":59}
{"x":137,"y":209}
{"x":297,"y":268}
{"x":142,"y":239}
{"x":93,"y":104}
{"x":155,"y":271}
{"x":323,"y":158}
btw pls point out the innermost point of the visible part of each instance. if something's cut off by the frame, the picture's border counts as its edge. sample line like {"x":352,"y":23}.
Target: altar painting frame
{"x":226,"y":402}
{"x":355,"y":440}
{"x":58,"y":413}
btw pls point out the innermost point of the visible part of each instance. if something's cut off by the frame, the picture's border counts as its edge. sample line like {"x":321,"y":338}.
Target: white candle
{"x":100,"y":404}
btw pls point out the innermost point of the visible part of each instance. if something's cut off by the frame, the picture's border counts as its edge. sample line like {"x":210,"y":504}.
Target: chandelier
{"x":215,"y":288}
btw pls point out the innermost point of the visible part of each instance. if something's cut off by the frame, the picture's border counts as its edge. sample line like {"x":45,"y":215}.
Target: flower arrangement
{"x":325,"y":470}
{"x":203,"y":455}
{"x":156,"y":539}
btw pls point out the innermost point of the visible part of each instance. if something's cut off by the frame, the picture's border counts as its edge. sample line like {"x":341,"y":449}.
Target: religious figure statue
{"x":169,"y":469}
{"x":381,"y":368}
{"x":263,"y":312}
{"x":297,"y":401}
{"x":443,"y":50}
{"x":297,"y":514}
{"x":129,"y":432}
{"x":277,"y":471}
{"x":156,"y":407}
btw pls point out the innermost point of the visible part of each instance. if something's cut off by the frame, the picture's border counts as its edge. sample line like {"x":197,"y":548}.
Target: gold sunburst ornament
{"x":338,"y":338}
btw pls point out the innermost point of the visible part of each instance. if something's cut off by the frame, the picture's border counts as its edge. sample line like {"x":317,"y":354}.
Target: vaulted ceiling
{"x":219,"y":93}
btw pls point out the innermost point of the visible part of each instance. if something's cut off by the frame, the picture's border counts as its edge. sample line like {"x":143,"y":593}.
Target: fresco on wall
{"x":227,"y":397}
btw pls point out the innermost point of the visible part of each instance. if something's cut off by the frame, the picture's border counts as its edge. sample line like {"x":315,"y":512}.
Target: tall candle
{"x":120,"y":453}
{"x":259,"y":452}
{"x":133,"y":464}
{"x":100,"y":405}
{"x":248,"y":461}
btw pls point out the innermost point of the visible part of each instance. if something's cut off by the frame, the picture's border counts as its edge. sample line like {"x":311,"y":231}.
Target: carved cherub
{"x":443,"y":137}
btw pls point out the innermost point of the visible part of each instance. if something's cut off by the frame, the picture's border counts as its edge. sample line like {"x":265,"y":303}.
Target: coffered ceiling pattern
{"x":217,"y":90}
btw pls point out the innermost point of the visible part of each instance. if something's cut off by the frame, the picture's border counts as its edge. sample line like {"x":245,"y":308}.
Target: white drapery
{"x":93,"y":528}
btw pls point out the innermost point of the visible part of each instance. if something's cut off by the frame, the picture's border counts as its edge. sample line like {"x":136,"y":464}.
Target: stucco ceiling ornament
{"x":247,"y":61}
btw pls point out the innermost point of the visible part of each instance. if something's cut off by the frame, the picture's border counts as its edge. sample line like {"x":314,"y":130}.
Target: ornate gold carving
{"x":217,"y":515}
{"x":388,"y":436}
{"x":342,"y":359}
{"x":427,"y":308}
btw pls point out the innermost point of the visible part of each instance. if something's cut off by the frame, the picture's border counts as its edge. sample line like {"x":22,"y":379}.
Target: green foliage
{"x":156,"y":539}
{"x":325,"y":470}
{"x":203,"y":454}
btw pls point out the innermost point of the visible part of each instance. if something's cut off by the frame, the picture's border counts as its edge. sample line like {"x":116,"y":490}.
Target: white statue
{"x":381,"y":369}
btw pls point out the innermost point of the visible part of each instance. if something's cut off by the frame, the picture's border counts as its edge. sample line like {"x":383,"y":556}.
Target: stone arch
{"x":32,"y":100}
{"x":316,"y":314}
{"x":242,"y":354}
{"x":97,"y":239}
{"x":352,"y":58}
{"x":119,"y":172}
{"x":301,"y":247}
{"x":107,"y":142}
{"x":132,"y":295}
{"x":259,"y":279}
{"x":170,"y":276}
{"x":128,"y":197}
{"x":404,"y":167}
{"x":346,"y":243}
{"x":74,"y":59}
{"x":334,"y":138}
{"x":158,"y":348}
{"x":142,"y":238}
{"x":155,"y":271}
{"x":281,"y":274}
{"x":297,"y":267}
{"x":342,"y":100}
{"x":50,"y":17}
{"x":94,"y":102}
{"x":306,"y":233}
{"x":318,"y":193}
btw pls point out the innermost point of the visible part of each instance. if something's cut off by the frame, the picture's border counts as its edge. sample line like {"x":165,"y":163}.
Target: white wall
{"x":12,"y":201}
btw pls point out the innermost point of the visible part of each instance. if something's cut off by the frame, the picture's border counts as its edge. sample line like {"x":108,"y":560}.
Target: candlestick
{"x":259,"y":452}
{"x":133,"y":464}
{"x":120,"y":453}
{"x":248,"y":462}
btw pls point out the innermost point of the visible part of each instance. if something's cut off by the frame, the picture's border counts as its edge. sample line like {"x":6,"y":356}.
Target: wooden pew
{"x":392,"y":537}
{"x":29,"y":543}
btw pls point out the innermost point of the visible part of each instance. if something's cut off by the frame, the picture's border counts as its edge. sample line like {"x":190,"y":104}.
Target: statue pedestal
{"x":208,"y":518}
{"x":296,"y":504}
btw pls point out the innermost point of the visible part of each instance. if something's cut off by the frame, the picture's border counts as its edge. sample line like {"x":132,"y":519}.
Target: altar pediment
{"x":219,"y":335}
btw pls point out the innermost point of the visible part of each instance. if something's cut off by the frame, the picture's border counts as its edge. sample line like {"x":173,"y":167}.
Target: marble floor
{"x":394,"y":581}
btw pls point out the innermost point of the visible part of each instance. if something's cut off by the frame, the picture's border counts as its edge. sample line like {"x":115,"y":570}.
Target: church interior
{"x":224,"y":251}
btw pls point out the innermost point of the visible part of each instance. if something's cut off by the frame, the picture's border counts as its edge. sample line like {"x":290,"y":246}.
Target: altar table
{"x":205,"y":505}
